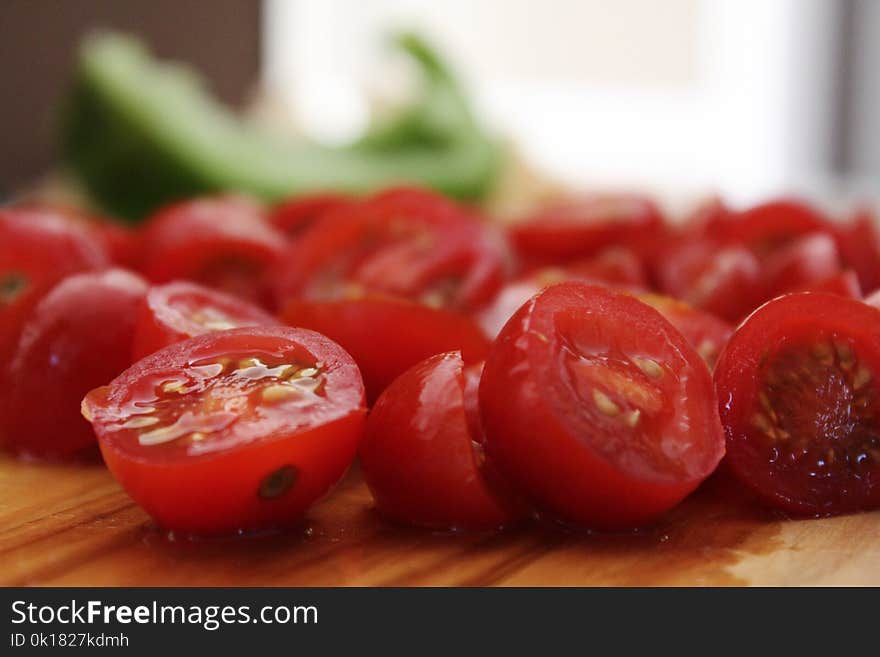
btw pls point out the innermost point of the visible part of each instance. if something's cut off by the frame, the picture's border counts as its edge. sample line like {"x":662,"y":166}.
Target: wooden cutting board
{"x":73,"y":525}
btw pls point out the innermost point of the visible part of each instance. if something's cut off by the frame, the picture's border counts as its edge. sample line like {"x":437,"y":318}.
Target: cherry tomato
{"x":386,"y":335}
{"x":614,"y":265}
{"x":582,"y":227}
{"x":231,"y":431}
{"x":844,"y":283}
{"x":802,"y":262}
{"x":420,"y":458}
{"x":293,"y":216}
{"x":706,"y":333}
{"x":598,"y":409}
{"x":221,"y":242}
{"x":859,"y":245}
{"x":768,"y":226}
{"x":78,"y":336}
{"x":722,"y":280}
{"x":180,"y":310}
{"x":797,"y":386}
{"x":38,"y":248}
{"x":409,"y":243}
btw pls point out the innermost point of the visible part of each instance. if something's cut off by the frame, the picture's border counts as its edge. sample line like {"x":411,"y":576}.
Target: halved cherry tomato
{"x":180,"y":310}
{"x":78,"y":336}
{"x":293,"y":216}
{"x":386,"y":335}
{"x":859,"y":244}
{"x":221,"y":242}
{"x":582,"y":227}
{"x":38,"y":247}
{"x":615,"y":265}
{"x":722,"y":280}
{"x":229,"y":431}
{"x":770,"y":225}
{"x":598,"y":409}
{"x":706,"y":333}
{"x":798,"y":393}
{"x":420,"y":457}
{"x":844,"y":283}
{"x":804,"y":261}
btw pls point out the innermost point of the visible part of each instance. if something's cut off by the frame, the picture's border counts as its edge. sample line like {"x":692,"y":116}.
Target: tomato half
{"x":598,"y":409}
{"x":38,"y":247}
{"x":409,"y":243}
{"x":804,"y":261}
{"x":798,"y":392}
{"x":420,"y":458}
{"x":386,"y":336}
{"x":293,"y":216}
{"x":859,"y":244}
{"x":222,"y":242}
{"x":582,"y":227}
{"x":78,"y":336}
{"x":765,"y":227}
{"x":180,"y":310}
{"x":844,"y":283}
{"x":229,"y":431}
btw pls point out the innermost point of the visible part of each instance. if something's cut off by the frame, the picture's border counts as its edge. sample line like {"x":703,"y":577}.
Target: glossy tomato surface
{"x":409,"y":243}
{"x":765,"y":227}
{"x":598,"y":409}
{"x":180,"y":310}
{"x":236,"y":430}
{"x":386,"y":335}
{"x":420,"y":457}
{"x":293,"y":216}
{"x":78,"y":337}
{"x":798,"y":394}
{"x":803,"y":262}
{"x":859,"y":244}
{"x":223,"y":242}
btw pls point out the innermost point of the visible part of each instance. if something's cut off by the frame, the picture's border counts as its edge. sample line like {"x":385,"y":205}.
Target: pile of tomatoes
{"x":590,"y":365}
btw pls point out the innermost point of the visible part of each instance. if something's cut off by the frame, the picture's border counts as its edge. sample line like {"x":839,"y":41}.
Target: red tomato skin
{"x":736,"y":382}
{"x":295,"y":215}
{"x":844,"y":284}
{"x":223,"y":242}
{"x":78,"y":337}
{"x":159,"y":324}
{"x":418,"y":455}
{"x":769,"y":225}
{"x":386,"y":336}
{"x":805,"y":261}
{"x":183,"y":495}
{"x":527,"y":438}
{"x":859,"y":244}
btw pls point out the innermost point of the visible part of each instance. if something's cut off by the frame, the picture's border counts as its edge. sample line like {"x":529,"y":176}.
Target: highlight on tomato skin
{"x":798,"y":394}
{"x":232,"y":431}
{"x":421,"y":458}
{"x":597,"y":409}
{"x":77,"y":337}
{"x":180,"y":310}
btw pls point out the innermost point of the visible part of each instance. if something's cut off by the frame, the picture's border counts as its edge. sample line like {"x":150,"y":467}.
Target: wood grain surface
{"x":73,"y":525}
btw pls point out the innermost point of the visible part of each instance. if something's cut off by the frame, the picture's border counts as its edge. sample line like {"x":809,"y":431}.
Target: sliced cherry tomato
{"x":409,"y":243}
{"x":722,"y":280}
{"x":78,"y":336}
{"x":38,"y":248}
{"x":231,"y":431}
{"x":582,"y":227}
{"x":798,"y":392}
{"x":859,"y":244}
{"x":615,"y":265}
{"x":845,"y":284}
{"x":768,"y":226}
{"x":598,"y":409}
{"x":181,"y":310}
{"x":293,"y":216}
{"x":420,"y":458}
{"x":705,"y":332}
{"x":221,"y":242}
{"x":804,"y":261}
{"x":386,"y":336}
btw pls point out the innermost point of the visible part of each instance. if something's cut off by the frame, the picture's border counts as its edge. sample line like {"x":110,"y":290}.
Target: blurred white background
{"x":742,"y":97}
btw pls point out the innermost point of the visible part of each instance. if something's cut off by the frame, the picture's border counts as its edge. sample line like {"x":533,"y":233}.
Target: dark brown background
{"x":38,"y":40}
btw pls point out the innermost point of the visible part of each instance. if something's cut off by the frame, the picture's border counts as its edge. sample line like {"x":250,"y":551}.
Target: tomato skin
{"x":582,"y":227}
{"x":418,"y":454}
{"x":386,"y":336}
{"x":406,"y":242}
{"x":799,"y":319}
{"x":859,"y":244}
{"x":79,"y":336}
{"x":178,"y":486}
{"x":165,"y":315}
{"x":536,"y":436}
{"x":769,"y":225}
{"x":805,"y":261}
{"x":844,"y":284}
{"x":222,"y":242}
{"x":294,"y":215}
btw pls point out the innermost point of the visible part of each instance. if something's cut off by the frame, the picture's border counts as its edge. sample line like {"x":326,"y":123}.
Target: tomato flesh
{"x":420,"y":458}
{"x":598,"y":409}
{"x":798,"y":392}
{"x":78,"y":337}
{"x":231,"y":431}
{"x":180,"y":310}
